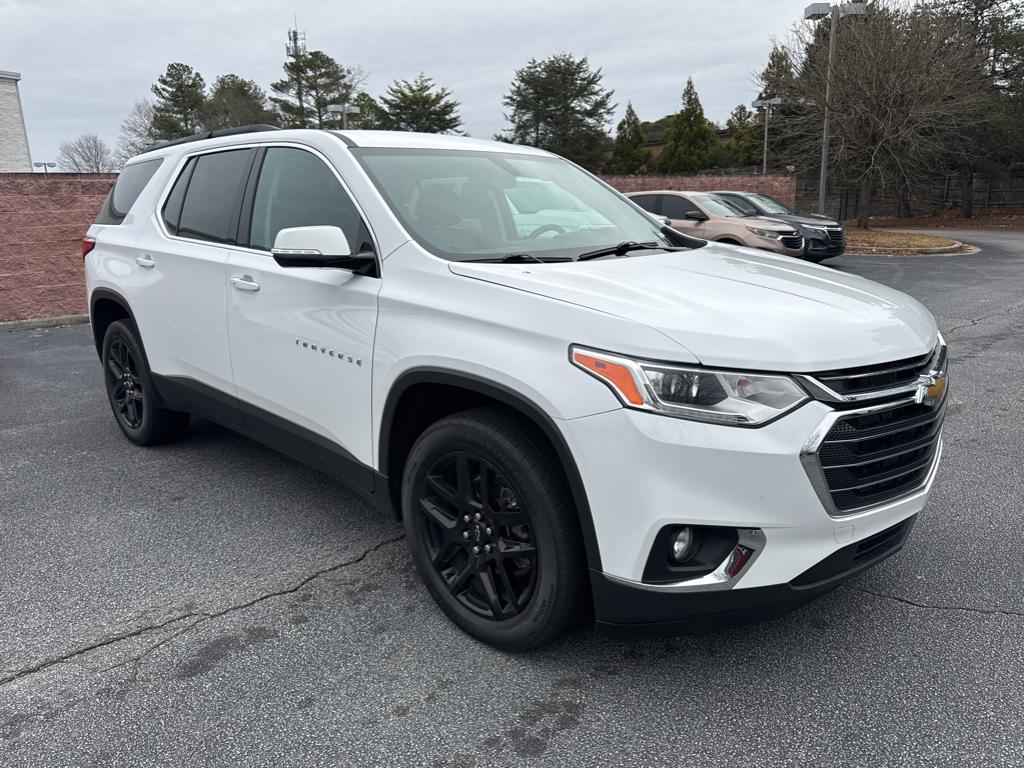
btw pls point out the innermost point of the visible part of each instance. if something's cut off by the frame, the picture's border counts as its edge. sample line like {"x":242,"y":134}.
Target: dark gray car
{"x":823,"y":237}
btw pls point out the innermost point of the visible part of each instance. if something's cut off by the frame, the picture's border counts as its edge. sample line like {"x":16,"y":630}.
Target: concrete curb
{"x":957,"y":248}
{"x":44,"y":322}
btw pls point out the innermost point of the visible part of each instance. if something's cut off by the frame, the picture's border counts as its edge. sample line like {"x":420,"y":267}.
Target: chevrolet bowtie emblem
{"x":930,"y":390}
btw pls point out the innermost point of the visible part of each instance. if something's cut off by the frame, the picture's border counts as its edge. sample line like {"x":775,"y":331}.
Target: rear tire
{"x":130,"y":389}
{"x":491,"y":529}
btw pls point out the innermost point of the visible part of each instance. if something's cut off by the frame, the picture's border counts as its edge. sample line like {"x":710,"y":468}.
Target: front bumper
{"x":822,"y":245}
{"x":627,"y":611}
{"x":643,"y":472}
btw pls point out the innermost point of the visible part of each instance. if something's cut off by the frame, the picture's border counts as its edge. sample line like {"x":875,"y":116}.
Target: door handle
{"x":145,"y":262}
{"x":245,"y":283}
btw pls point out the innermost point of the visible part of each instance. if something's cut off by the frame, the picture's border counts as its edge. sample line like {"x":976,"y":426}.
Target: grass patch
{"x":882,"y":239}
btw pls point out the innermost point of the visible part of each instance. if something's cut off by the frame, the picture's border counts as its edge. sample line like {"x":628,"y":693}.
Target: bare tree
{"x":86,"y":154}
{"x":907,"y":83}
{"x":136,"y":132}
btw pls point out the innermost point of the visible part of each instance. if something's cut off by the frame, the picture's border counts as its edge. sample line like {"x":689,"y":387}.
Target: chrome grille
{"x":854,"y":381}
{"x":836,"y":235}
{"x":879,"y":454}
{"x":792,"y":241}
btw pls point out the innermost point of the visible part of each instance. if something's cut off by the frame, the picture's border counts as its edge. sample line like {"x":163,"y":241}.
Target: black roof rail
{"x":210,"y":135}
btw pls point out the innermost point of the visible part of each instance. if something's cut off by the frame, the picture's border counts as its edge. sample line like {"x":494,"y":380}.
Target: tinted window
{"x":129,"y":185}
{"x":210,"y":210}
{"x":296,"y":189}
{"x":676,"y":207}
{"x":741,"y":203}
{"x":647,"y":202}
{"x":172,"y":206}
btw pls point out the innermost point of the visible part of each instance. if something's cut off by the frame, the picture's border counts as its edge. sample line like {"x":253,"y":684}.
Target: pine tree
{"x":180,"y":95}
{"x":420,"y":106}
{"x":689,"y":138}
{"x":627,"y":156}
{"x":234,"y":101}
{"x":743,"y":145}
{"x":559,"y":104}
{"x":321,"y":81}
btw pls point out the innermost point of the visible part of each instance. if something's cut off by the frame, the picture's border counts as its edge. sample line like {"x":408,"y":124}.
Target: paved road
{"x":213,"y":603}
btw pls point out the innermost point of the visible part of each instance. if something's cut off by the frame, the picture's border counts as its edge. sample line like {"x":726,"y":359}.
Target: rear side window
{"x":129,"y":185}
{"x":676,"y":207}
{"x":212,"y":196}
{"x":172,"y":206}
{"x":648,"y":202}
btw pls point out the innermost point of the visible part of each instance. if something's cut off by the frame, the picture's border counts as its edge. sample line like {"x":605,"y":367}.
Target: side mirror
{"x":696,"y":216}
{"x":319,"y":247}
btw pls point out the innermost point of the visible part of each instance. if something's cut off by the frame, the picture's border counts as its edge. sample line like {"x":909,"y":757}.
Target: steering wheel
{"x":546,"y":228}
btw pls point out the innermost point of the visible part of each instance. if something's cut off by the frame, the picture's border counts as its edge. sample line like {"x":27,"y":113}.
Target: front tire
{"x":131,"y":392}
{"x":491,"y":529}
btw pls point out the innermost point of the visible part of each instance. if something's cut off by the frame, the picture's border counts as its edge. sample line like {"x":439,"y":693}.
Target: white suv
{"x":571,"y":406}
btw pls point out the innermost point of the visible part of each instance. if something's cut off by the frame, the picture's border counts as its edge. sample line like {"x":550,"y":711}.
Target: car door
{"x":301,"y":338}
{"x":181,"y":305}
{"x":675,"y":207}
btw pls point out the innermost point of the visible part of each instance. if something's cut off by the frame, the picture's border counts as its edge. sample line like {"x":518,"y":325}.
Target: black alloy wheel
{"x":479,"y":535}
{"x":492,"y":529}
{"x":124,"y":385}
{"x":130,"y":389}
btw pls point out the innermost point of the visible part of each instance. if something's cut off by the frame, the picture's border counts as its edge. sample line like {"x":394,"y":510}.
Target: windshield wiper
{"x":623,"y":248}
{"x":523,"y":258}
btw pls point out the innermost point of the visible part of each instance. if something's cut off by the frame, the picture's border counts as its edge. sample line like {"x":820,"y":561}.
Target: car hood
{"x":737,"y":307}
{"x":813,"y":219}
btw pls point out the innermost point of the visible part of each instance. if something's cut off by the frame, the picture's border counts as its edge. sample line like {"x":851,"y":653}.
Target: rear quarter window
{"x":127,"y":188}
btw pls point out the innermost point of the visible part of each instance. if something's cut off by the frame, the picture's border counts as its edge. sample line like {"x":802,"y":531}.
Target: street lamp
{"x":816,"y":12}
{"x":767,"y":104}
{"x":344,"y":110}
{"x":45,"y":166}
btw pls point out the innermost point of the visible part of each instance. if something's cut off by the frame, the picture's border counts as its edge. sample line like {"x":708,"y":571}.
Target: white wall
{"x":14,"y":155}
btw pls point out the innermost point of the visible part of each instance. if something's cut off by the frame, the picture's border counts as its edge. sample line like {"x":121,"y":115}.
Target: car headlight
{"x":688,"y":392}
{"x":770,"y":234}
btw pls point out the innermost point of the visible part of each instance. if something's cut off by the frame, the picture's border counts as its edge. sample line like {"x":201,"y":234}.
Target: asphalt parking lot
{"x":214,"y":603}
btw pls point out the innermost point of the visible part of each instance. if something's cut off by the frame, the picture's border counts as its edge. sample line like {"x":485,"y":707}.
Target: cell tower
{"x":296,"y":48}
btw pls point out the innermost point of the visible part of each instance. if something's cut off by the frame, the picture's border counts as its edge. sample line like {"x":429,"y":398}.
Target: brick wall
{"x":42,"y":222}
{"x":777,"y":185}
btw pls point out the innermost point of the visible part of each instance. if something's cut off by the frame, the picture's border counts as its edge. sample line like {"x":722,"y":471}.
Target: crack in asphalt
{"x":932,"y":607}
{"x":974,"y":321}
{"x":199,"y":616}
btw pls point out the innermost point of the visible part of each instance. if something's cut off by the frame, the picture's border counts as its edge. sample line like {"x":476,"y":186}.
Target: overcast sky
{"x":85,"y":62}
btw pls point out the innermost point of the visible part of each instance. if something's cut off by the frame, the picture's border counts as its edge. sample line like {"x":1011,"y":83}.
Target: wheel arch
{"x":105,"y":307}
{"x":477,"y":391}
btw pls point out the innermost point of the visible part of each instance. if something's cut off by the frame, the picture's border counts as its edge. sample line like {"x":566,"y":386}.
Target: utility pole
{"x":295,"y":50}
{"x":767,"y":104}
{"x":816,"y":12}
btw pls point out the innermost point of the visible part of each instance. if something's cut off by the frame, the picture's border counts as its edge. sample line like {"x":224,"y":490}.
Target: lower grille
{"x":874,"y":457}
{"x":792,"y":241}
{"x":836,"y":235}
{"x":857,"y":556}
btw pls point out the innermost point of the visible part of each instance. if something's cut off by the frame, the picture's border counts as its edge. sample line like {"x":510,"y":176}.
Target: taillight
{"x":88,"y":244}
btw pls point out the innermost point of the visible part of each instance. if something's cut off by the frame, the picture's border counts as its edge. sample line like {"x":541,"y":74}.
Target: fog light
{"x":682,"y":544}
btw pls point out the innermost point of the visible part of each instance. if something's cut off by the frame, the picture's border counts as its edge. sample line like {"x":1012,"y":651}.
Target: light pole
{"x":767,"y":104}
{"x":816,"y":12}
{"x":344,"y":110}
{"x":45,"y":167}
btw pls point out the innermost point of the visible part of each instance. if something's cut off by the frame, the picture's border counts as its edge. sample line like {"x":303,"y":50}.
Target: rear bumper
{"x":625,"y":610}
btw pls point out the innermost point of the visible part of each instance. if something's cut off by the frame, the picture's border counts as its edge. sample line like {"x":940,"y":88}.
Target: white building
{"x":14,"y":157}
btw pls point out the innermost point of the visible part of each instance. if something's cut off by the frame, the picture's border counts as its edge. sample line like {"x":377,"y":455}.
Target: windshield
{"x":465,"y":205}
{"x":717,"y":206}
{"x":770,"y":204}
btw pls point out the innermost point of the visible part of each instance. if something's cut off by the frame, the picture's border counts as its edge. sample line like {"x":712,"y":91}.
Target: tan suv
{"x":709,"y":217}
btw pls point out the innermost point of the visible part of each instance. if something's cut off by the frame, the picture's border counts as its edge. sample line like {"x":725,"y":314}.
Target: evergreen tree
{"x":370,"y":117}
{"x":689,"y":138}
{"x":180,"y":95}
{"x":420,"y":106}
{"x":744,"y":145}
{"x":312,"y":82}
{"x":559,"y":104}
{"x":627,"y":156}
{"x":234,"y":101}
